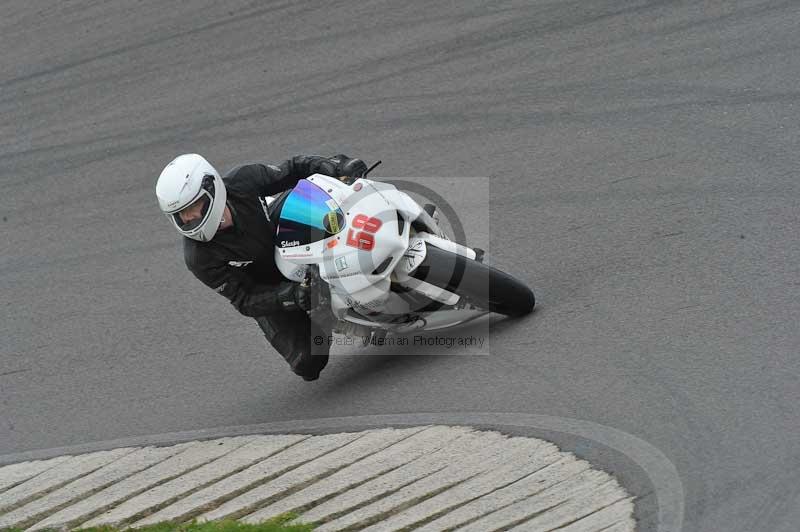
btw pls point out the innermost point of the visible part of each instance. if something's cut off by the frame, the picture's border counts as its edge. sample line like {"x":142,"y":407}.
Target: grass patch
{"x":277,"y":524}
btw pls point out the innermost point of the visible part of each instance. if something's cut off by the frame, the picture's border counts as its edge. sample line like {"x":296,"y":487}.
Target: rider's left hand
{"x":304,"y":295}
{"x":292,"y":296}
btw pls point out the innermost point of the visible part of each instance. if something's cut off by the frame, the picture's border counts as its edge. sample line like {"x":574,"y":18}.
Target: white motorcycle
{"x":382,"y":262}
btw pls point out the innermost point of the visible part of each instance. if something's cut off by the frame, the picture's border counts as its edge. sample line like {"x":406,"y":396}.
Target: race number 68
{"x":363,"y":239}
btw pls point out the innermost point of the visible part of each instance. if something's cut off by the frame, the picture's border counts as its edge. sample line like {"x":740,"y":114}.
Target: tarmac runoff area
{"x":424,"y":478}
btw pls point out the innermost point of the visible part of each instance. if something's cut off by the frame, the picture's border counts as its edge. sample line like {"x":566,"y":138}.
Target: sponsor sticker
{"x":333,"y":222}
{"x":333,"y":276}
{"x":413,"y":254}
{"x":341,"y":264}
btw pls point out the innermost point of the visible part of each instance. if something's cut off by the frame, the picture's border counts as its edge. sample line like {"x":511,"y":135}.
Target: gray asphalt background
{"x":642,"y":158}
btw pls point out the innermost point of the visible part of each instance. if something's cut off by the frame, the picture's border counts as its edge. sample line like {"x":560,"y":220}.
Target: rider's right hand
{"x":353,"y":168}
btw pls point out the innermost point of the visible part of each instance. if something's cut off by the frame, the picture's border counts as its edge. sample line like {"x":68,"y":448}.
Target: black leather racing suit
{"x":239,"y":261}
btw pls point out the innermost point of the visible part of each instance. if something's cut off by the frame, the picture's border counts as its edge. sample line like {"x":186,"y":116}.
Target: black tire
{"x":483,"y":286}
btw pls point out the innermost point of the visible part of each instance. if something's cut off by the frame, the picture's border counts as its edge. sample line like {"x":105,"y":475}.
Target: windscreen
{"x":308,"y":214}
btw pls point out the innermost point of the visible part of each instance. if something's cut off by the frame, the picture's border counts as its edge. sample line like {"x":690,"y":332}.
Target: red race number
{"x":363,"y":239}
{"x":370,"y":225}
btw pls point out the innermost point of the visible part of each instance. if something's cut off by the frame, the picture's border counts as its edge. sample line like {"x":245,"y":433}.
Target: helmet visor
{"x":195,"y":214}
{"x":308,"y":215}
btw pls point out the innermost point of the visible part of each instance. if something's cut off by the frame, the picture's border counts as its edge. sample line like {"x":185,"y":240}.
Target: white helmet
{"x":186,"y":180}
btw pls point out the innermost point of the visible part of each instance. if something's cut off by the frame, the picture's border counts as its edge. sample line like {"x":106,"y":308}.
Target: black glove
{"x":350,"y":169}
{"x":294,"y":296}
{"x":354,"y":168}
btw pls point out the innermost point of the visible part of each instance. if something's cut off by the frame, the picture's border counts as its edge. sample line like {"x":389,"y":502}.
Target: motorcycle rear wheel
{"x":481,"y":285}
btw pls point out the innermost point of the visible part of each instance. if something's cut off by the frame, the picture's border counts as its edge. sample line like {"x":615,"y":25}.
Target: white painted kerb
{"x":432,"y":478}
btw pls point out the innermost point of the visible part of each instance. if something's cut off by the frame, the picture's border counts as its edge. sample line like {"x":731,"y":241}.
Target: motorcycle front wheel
{"x":481,"y":285}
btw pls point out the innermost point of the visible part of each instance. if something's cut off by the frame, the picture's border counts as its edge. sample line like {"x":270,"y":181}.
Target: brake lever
{"x":371,"y":168}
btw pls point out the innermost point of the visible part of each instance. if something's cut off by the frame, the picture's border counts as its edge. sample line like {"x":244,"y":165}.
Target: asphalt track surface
{"x":641,"y":159}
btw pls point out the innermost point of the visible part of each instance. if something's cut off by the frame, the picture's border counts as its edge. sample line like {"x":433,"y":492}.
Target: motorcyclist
{"x":228,"y":243}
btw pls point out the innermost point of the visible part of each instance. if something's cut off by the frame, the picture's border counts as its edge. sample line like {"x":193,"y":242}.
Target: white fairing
{"x":360,"y":268}
{"x":290,"y":270}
